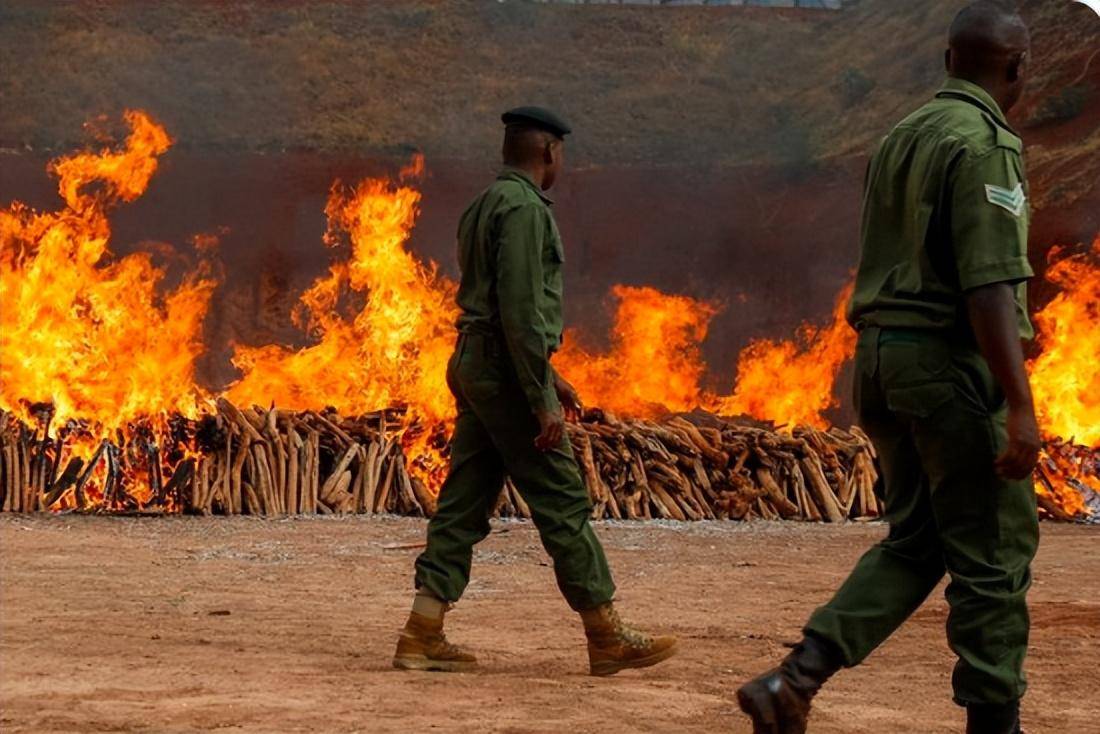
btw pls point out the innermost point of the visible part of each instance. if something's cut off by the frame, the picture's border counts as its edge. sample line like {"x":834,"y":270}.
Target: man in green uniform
{"x":942,"y":391}
{"x":510,"y":419}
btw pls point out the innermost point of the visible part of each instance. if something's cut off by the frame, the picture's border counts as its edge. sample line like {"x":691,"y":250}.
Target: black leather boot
{"x":779,"y":700}
{"x":989,"y":718}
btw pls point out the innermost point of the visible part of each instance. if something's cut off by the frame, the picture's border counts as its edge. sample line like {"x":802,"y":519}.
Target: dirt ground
{"x":235,"y":625}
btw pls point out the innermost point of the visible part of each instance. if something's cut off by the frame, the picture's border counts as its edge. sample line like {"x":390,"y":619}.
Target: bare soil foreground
{"x":234,"y":625}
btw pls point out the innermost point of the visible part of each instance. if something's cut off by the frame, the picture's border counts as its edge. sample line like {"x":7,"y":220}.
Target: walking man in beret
{"x":510,"y":414}
{"x":941,"y":388}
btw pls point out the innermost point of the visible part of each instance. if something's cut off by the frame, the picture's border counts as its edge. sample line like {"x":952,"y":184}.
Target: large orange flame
{"x":1065,"y":376}
{"x":790,"y":382}
{"x":81,"y":329}
{"x":654,"y":364}
{"x":391,"y":347}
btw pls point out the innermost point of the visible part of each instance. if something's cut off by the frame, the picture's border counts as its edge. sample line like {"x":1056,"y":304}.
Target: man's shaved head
{"x":987,"y":44}
{"x":988,"y":29}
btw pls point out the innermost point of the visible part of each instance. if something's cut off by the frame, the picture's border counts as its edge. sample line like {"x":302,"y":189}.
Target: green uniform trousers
{"x":494,"y":436}
{"x":937,"y":420}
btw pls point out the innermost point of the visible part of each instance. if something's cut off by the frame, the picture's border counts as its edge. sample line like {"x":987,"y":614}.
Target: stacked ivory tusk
{"x":237,"y":461}
{"x":704,"y":468}
{"x":272,"y":462}
{"x":278,"y":462}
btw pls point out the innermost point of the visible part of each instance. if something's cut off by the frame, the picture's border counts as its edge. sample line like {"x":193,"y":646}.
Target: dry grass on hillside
{"x":642,"y":85}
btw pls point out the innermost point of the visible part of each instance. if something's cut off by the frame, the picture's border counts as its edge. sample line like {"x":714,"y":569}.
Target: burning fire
{"x":390,"y":347}
{"x":89,"y":333}
{"x":1065,"y":378}
{"x":85,"y":331}
{"x":791,"y":382}
{"x":93,"y":336}
{"x":654,"y":365}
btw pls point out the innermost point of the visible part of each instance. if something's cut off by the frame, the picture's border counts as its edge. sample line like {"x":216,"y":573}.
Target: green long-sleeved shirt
{"x":945,"y":211}
{"x":510,"y":255}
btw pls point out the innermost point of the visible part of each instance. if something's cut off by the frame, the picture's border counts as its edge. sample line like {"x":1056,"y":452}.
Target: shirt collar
{"x":970,"y":92}
{"x":515,"y":174}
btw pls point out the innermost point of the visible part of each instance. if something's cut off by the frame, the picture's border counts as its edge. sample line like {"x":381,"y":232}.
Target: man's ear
{"x":548,"y":153}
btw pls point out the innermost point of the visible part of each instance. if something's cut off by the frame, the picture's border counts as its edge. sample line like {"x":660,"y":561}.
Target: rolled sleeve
{"x":989,"y":220}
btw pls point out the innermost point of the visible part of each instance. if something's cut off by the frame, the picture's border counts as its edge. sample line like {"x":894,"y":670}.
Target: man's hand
{"x":551,"y":430}
{"x":992,"y":312}
{"x":568,"y":397}
{"x":1022,"y":453}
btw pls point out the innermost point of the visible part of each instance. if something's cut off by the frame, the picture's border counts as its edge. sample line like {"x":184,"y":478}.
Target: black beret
{"x":539,"y":117}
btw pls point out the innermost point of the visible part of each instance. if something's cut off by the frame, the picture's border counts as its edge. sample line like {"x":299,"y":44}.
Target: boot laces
{"x":636,"y":639}
{"x":444,"y":646}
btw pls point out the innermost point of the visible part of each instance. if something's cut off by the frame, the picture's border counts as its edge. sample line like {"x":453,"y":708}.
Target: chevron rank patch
{"x":1012,"y":201}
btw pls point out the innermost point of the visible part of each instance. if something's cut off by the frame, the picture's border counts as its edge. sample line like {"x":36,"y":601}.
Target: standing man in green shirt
{"x":942,"y":391}
{"x":510,"y":414}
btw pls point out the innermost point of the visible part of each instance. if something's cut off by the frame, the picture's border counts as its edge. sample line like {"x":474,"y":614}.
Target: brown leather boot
{"x":423,"y":646}
{"x":779,"y":700}
{"x":613,"y":645}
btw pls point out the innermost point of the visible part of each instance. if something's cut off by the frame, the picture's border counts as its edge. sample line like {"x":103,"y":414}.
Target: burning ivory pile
{"x":1068,"y":481}
{"x":237,"y":461}
{"x":271,"y":462}
{"x":274,"y":462}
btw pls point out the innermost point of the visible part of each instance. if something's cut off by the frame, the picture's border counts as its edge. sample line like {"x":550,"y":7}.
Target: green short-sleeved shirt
{"x":945,"y":210}
{"x":511,"y":255}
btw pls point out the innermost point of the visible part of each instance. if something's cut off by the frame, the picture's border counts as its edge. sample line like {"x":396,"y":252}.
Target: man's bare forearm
{"x":992,"y":312}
